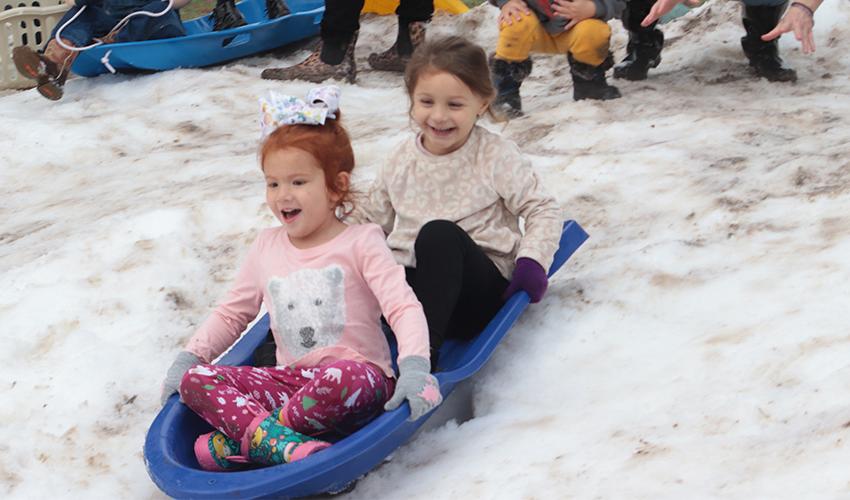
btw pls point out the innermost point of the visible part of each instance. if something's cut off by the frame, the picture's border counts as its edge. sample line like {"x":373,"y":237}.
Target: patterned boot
{"x":49,"y":70}
{"x":273,"y":443}
{"x":217,"y":452}
{"x":395,"y":58}
{"x":225,"y":16}
{"x":276,"y":8}
{"x":314,"y":69}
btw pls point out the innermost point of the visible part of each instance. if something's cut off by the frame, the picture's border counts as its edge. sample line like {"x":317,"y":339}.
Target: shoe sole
{"x":28,"y":63}
{"x":50,"y":89}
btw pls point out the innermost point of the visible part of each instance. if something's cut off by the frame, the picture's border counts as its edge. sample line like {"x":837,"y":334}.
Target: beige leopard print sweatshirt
{"x":485,"y":187}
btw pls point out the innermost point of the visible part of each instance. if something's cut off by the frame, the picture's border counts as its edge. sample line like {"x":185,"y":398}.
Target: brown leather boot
{"x":314,"y":69}
{"x":395,"y":58}
{"x":50,"y":69}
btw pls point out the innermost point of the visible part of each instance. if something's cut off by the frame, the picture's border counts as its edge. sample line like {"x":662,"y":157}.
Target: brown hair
{"x":454,"y":55}
{"x":328,"y":144}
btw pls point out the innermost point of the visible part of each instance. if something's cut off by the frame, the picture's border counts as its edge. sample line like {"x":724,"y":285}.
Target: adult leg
{"x":761,"y":16}
{"x":458,"y":285}
{"x":643,"y":50}
{"x":334,"y":58}
{"x":413,"y":16}
{"x":511,"y":63}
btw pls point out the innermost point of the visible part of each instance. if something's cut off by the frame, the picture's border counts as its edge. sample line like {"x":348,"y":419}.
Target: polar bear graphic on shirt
{"x":308,"y":308}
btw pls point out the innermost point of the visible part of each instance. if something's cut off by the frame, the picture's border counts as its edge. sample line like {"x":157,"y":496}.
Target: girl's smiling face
{"x":298,"y":196}
{"x":445,"y":110}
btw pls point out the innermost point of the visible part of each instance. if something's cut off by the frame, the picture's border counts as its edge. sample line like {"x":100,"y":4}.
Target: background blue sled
{"x":202,"y":46}
{"x":170,"y":458}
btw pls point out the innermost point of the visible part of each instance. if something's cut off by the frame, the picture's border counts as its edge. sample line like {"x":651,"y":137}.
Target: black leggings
{"x":342,"y":17}
{"x":458,"y":285}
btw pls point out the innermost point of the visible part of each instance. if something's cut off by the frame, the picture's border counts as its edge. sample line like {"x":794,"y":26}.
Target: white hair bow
{"x":276,"y":110}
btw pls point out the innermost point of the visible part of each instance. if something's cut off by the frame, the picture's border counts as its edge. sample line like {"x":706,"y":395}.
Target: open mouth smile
{"x":290,"y":215}
{"x":441,"y":132}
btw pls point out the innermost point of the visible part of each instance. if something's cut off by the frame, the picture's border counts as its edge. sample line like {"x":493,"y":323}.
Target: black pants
{"x":342,"y":17}
{"x":458,"y":285}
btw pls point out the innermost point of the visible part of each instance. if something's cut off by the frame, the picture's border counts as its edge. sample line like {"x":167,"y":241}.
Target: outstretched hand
{"x":659,"y":8}
{"x":799,"y":20}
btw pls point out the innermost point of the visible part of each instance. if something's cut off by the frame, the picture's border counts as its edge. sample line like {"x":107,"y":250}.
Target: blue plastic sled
{"x":202,"y":46}
{"x":170,"y":458}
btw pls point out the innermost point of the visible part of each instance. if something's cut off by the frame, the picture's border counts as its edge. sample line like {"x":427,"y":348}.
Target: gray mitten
{"x":183,"y":362}
{"x":417,"y":386}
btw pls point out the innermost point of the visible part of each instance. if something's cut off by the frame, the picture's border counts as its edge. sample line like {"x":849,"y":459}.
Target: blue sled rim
{"x":170,"y":459}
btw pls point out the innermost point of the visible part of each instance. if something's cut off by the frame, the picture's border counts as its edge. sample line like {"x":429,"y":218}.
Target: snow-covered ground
{"x":696,"y":347}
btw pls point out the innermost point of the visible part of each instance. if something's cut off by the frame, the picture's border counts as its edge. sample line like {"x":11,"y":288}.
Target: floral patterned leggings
{"x":340,"y":397}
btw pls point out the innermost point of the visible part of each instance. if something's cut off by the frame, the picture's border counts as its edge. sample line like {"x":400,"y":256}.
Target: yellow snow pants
{"x":587,"y":41}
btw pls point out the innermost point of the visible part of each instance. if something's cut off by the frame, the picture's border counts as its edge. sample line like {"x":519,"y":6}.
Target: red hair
{"x":328,"y":144}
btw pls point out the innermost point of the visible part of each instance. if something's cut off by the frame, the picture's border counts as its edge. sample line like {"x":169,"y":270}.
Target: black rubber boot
{"x":508,"y":77}
{"x":644,"y":48}
{"x":225,"y":15}
{"x":764,"y":56}
{"x":276,"y":8}
{"x":589,"y":81}
{"x":642,"y":53}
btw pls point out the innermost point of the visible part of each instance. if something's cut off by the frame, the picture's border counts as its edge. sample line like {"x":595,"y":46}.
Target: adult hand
{"x":799,"y":20}
{"x":181,"y":364}
{"x":530,"y":276}
{"x":513,"y":11}
{"x":417,"y":386}
{"x":574,"y":10}
{"x":658,"y":9}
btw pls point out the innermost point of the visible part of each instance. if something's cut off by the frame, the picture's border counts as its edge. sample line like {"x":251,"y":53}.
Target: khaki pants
{"x":587,"y":41}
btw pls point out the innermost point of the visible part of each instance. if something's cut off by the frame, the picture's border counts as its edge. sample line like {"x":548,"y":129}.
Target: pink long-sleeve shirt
{"x":324,"y":302}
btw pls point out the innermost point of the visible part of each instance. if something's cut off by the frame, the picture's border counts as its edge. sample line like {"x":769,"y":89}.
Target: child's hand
{"x":530,"y":276}
{"x":513,"y":11}
{"x":417,"y":386}
{"x":181,"y":364}
{"x":574,"y":10}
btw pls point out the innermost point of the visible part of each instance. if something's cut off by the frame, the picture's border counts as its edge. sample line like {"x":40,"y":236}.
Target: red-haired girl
{"x":325,"y":285}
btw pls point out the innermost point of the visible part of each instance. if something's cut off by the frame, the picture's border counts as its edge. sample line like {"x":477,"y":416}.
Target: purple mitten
{"x":530,"y":276}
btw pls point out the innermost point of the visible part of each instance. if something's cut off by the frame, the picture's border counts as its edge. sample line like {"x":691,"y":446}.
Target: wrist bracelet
{"x":804,"y":7}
